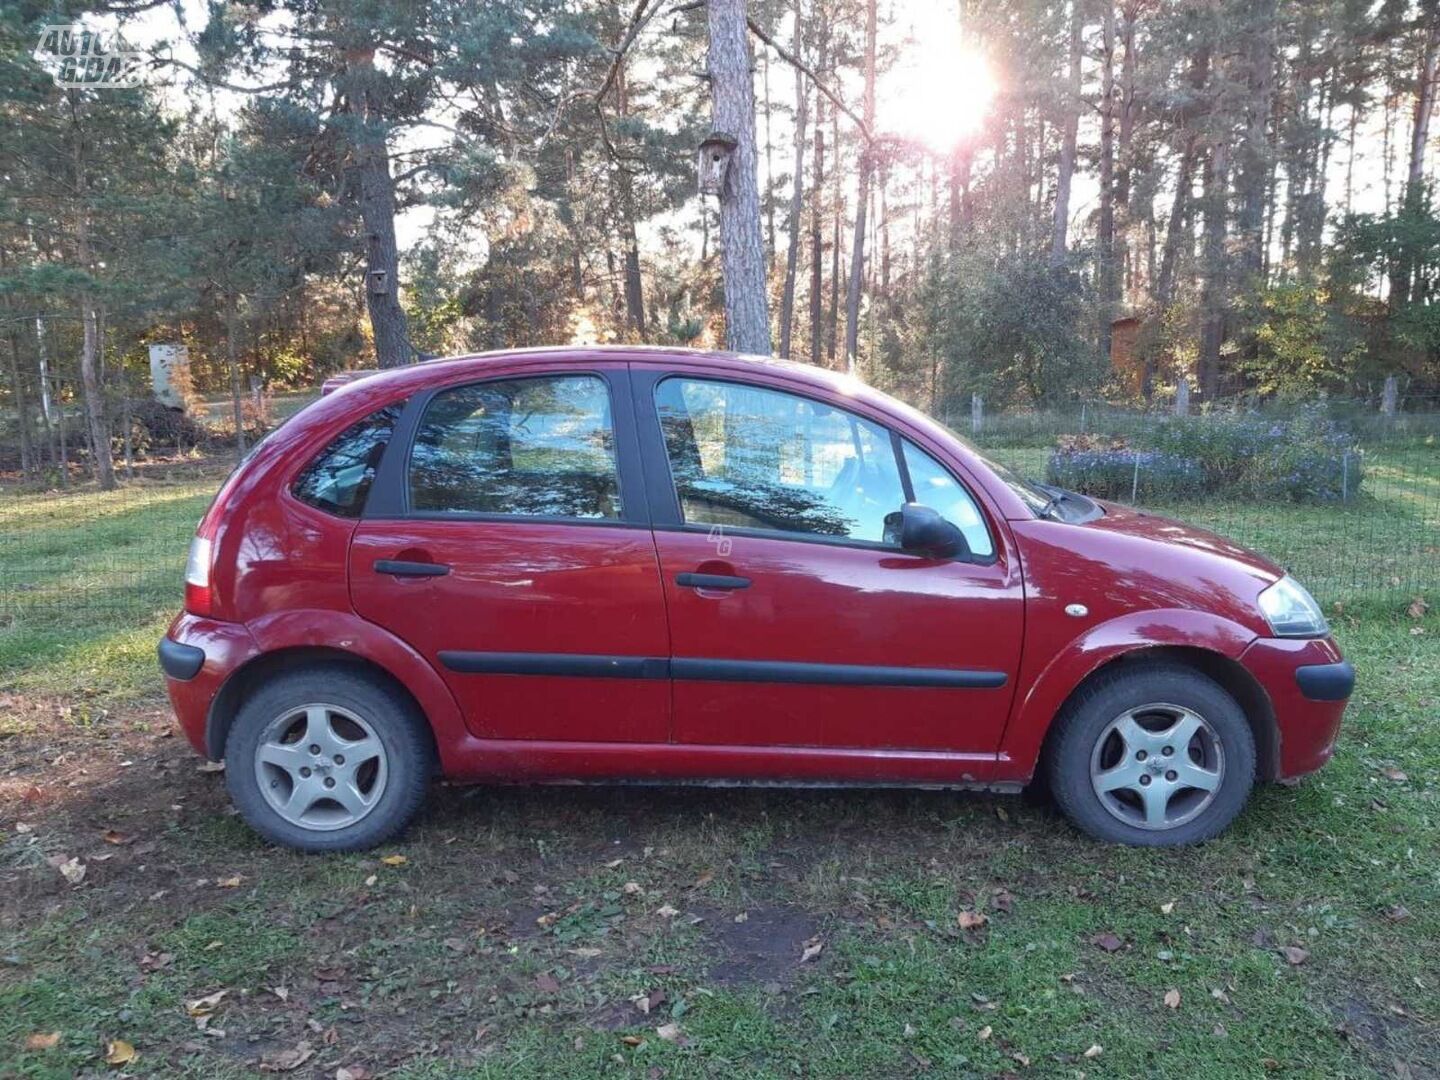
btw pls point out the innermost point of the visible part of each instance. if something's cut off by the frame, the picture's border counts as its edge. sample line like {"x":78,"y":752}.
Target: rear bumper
{"x":1308,"y":683}
{"x":197,"y":656}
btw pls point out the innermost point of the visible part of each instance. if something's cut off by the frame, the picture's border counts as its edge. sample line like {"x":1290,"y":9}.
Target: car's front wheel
{"x":1154,"y":754}
{"x":328,"y":759}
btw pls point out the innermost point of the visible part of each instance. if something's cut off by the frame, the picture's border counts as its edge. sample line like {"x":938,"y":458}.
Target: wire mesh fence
{"x":1346,"y":498}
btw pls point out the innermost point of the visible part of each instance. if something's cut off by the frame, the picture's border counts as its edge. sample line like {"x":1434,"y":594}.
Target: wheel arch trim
{"x":292,"y":638}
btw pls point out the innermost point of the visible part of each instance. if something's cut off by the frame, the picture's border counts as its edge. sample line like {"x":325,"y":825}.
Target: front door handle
{"x":712,"y":581}
{"x":402,"y":568}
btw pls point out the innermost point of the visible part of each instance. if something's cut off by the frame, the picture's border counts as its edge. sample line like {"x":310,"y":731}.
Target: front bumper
{"x":1308,"y":683}
{"x":197,"y":656}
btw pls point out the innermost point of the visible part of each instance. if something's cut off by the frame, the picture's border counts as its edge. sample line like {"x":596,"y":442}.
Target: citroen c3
{"x":655,"y":565}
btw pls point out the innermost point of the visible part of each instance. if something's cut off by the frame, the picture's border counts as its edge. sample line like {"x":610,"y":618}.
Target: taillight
{"x":197,"y":577}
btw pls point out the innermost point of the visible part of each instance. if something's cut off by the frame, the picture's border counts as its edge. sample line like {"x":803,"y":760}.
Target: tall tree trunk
{"x":1105,"y":228}
{"x":1059,"y":242}
{"x":769,"y":199}
{"x":371,"y":157}
{"x":94,"y":404}
{"x":817,"y":212}
{"x":232,"y":360}
{"x":1252,"y":167}
{"x":1212,"y":289}
{"x":862,"y":202}
{"x":747,"y":308}
{"x":837,"y":201}
{"x":797,"y":203}
{"x":1424,"y":100}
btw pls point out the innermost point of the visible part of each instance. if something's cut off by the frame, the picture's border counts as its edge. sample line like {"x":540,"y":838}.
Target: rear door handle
{"x":712,"y":581}
{"x":401,"y":568}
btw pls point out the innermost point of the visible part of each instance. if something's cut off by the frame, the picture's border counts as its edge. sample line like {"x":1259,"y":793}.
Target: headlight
{"x":1291,"y":611}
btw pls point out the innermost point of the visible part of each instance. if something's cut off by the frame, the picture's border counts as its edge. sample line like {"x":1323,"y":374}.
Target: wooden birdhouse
{"x":379,"y":282}
{"x":713,"y":162}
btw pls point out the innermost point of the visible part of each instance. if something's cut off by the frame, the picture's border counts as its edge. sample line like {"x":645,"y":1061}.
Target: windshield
{"x":1036,"y":498}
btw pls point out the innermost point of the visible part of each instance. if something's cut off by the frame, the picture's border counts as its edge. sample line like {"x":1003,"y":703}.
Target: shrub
{"x":1303,"y":459}
{"x":1110,"y":473}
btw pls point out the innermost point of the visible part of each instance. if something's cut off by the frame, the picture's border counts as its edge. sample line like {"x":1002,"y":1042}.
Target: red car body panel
{"x":286,"y":577}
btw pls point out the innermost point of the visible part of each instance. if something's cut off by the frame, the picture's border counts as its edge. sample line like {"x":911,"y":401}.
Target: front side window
{"x":539,"y":447}
{"x":750,"y":457}
{"x":936,"y":488}
{"x":339,"y":478}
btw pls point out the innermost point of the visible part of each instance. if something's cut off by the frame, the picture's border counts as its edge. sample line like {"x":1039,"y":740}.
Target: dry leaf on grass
{"x":211,"y":766}
{"x":1167,"y":907}
{"x":394,"y":860}
{"x":1392,"y":773}
{"x":204,"y":1006}
{"x":115,"y":836}
{"x":665,"y":911}
{"x":288,"y":1060}
{"x":352,"y":1072}
{"x":813,"y":948}
{"x":42,"y":1040}
{"x":668,"y":1032}
{"x":1294,"y":955}
{"x":119,"y":1052}
{"x":984,"y":1033}
{"x":1107,"y":941}
{"x":1417,"y":608}
{"x":230,"y":882}
{"x":1095,"y":1051}
{"x":1172,"y":999}
{"x":971,"y":920}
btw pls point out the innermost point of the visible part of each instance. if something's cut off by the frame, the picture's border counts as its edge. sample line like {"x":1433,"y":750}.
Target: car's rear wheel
{"x":328,"y":759}
{"x":1154,"y":754}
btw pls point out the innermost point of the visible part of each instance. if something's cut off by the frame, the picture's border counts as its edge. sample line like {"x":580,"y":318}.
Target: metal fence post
{"x":977,"y":413}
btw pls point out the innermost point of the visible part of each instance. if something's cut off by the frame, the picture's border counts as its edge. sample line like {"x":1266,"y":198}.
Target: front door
{"x":510,"y":547}
{"x":794,"y":620}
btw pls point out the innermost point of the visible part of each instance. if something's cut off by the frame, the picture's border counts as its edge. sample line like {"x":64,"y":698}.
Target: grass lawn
{"x":668,"y":932}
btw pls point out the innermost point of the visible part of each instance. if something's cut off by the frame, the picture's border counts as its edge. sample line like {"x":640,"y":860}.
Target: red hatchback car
{"x":668,"y":566}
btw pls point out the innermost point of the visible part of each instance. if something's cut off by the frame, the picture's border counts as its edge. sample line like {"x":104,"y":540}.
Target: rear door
{"x":508,"y":542}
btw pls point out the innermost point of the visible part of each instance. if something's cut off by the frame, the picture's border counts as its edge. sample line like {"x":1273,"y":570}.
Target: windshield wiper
{"x":1058,"y":495}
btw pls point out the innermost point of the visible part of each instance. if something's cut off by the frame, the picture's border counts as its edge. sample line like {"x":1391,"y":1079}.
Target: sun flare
{"x":940,"y":89}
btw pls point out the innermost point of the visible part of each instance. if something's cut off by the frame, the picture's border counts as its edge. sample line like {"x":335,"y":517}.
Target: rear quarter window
{"x":338,"y":479}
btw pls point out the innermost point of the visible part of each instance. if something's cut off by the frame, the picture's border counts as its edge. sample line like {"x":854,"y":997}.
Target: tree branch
{"x":801,"y":66}
{"x":643,"y":11}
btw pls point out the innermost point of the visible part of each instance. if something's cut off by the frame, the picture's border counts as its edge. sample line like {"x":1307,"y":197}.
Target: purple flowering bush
{"x":1305,"y":458}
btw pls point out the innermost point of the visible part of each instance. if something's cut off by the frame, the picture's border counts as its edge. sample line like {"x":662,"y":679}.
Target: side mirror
{"x":922,"y":530}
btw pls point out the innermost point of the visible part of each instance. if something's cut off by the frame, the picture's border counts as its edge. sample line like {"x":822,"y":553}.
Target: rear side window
{"x":539,"y":447}
{"x":338,"y":480}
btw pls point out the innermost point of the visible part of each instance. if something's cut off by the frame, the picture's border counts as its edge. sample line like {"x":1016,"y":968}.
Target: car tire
{"x":1152,"y":755}
{"x":328,"y":758}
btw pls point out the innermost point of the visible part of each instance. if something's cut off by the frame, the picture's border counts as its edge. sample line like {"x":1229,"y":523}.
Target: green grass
{"x":417,"y":958}
{"x":438,"y":969}
{"x":88,"y":581}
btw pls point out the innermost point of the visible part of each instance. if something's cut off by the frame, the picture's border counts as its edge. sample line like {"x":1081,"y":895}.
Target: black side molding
{"x":573,"y":665}
{"x":1326,"y":682}
{"x":781,"y":671}
{"x":583,"y":666}
{"x":180,"y":661}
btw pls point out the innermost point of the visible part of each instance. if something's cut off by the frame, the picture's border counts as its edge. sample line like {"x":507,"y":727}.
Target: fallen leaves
{"x":1095,"y":1051}
{"x":1107,"y":941}
{"x":547,"y":983}
{"x":1398,"y":913}
{"x":668,"y":1032}
{"x":1172,"y":999}
{"x":42,"y":1040}
{"x":1390,"y":772}
{"x":394,"y":860}
{"x":813,"y":948}
{"x":230,"y":882}
{"x":210,"y":767}
{"x":666,"y":911}
{"x":205,"y":1006}
{"x":288,"y":1060}
{"x":116,"y":837}
{"x":1417,"y":608}
{"x":984,"y":1033}
{"x":71,"y":869}
{"x":1294,"y":955}
{"x":119,"y":1052}
{"x":1167,"y":908}
{"x":971,"y":920}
